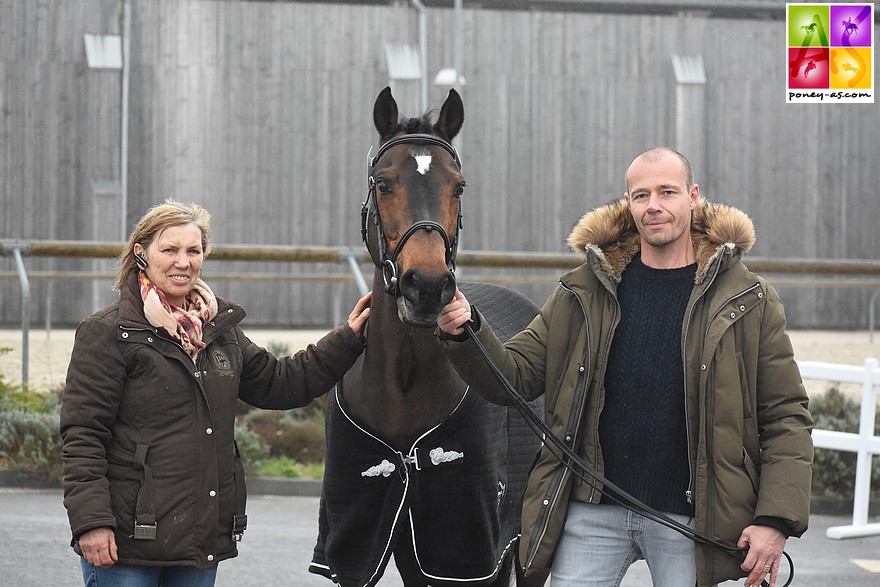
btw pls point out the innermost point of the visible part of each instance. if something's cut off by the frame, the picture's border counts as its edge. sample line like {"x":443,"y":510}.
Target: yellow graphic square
{"x":851,"y":67}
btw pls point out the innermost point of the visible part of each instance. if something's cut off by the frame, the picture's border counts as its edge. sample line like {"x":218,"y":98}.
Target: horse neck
{"x":401,"y":356}
{"x":403,"y":385}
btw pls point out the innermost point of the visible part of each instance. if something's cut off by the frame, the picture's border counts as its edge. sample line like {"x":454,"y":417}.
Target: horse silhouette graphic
{"x":849,"y":67}
{"x":849,"y":27}
{"x":810,"y":67}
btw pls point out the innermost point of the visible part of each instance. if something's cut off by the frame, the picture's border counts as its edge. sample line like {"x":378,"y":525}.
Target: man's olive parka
{"x":148,"y":433}
{"x":748,"y":427}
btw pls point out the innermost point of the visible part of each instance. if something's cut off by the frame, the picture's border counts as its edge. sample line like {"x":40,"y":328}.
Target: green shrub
{"x":289,"y":433}
{"x":279,"y":349}
{"x":250,"y":448}
{"x":30,"y":443}
{"x":834,"y":471}
{"x":13,"y":397}
{"x":284,"y":466}
{"x":302,"y":440}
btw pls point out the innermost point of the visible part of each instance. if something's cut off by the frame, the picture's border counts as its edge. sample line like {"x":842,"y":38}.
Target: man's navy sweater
{"x":642,"y":425}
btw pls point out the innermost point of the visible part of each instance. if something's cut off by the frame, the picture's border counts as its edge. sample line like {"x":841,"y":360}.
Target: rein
{"x":388,"y":259}
{"x":572,"y":461}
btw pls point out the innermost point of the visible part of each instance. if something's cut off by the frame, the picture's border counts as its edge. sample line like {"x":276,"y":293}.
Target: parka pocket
{"x":751,"y":470}
{"x":744,"y":386}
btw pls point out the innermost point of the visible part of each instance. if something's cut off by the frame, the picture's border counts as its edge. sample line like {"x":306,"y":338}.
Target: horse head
{"x":414,"y":201}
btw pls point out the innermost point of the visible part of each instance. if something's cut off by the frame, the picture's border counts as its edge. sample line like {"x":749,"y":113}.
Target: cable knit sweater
{"x":642,"y":426}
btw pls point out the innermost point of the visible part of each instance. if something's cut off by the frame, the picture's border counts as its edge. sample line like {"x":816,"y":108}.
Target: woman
{"x":153,"y":485}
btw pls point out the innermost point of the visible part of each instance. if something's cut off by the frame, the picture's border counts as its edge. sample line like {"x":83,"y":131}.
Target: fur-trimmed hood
{"x":609,"y":234}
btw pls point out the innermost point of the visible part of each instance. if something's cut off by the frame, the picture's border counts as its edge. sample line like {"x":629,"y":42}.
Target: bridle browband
{"x":388,"y":259}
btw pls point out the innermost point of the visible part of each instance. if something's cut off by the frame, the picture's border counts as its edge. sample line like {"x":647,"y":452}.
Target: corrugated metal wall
{"x":262,"y":112}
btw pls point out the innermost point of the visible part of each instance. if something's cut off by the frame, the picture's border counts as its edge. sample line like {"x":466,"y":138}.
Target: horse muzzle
{"x":422,"y":297}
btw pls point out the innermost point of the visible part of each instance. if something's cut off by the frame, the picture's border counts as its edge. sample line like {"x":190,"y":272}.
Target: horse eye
{"x":459,"y":190}
{"x":382,"y":186}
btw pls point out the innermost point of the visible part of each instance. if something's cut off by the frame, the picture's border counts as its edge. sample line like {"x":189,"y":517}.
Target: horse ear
{"x":451,"y":116}
{"x":385,"y":115}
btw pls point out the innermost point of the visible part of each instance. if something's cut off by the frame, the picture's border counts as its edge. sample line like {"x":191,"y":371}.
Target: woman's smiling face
{"x":174,"y":261}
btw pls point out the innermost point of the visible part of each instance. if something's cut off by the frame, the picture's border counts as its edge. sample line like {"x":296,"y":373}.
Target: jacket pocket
{"x":751,"y":470}
{"x":744,"y":386}
{"x":125,"y":482}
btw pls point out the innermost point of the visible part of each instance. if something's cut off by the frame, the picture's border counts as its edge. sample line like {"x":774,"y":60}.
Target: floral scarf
{"x":183,"y":324}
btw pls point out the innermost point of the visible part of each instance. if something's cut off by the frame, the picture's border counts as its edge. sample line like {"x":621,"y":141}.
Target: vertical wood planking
{"x":262,"y":111}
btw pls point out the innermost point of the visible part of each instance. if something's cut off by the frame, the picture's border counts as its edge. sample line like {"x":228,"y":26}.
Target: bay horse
{"x":418,"y":465}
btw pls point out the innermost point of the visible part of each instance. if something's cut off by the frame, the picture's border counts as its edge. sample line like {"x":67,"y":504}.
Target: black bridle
{"x":387,"y":258}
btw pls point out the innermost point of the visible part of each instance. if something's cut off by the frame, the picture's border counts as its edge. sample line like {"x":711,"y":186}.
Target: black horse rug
{"x":458,"y":489}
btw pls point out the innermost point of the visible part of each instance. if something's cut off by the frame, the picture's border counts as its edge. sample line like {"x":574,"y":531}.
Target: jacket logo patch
{"x":222,"y":363}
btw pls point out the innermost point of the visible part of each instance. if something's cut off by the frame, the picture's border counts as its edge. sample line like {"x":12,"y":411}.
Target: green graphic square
{"x":808,"y":25}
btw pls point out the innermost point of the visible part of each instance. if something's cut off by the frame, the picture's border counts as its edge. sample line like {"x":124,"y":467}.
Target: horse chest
{"x":399,"y":411}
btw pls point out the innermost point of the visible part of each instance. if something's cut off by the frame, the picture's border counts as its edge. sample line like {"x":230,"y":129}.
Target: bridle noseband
{"x":388,"y":259}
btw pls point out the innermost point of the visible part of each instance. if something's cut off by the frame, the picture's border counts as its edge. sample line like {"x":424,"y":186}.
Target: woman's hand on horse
{"x":359,"y":315}
{"x":455,"y":314}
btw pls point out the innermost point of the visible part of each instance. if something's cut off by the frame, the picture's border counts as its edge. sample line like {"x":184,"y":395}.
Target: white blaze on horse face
{"x":424,"y":163}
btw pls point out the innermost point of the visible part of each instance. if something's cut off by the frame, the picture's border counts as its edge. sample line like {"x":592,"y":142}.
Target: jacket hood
{"x":608,"y":238}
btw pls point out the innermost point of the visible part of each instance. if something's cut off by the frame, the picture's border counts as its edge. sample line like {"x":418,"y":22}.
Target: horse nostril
{"x":410,"y":286}
{"x":448,"y":289}
{"x":423,"y":289}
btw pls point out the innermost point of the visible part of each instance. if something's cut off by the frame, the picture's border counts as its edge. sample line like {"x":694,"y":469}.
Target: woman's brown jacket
{"x":748,"y":427}
{"x":148,"y":433}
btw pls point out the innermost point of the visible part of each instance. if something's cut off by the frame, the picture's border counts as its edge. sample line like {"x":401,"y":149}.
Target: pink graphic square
{"x":808,"y":67}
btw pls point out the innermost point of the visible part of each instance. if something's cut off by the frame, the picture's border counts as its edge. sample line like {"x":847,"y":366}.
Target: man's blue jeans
{"x":600,"y":542}
{"x":129,"y":576}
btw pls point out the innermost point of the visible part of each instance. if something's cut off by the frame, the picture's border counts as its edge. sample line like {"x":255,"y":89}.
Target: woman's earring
{"x":140,"y":261}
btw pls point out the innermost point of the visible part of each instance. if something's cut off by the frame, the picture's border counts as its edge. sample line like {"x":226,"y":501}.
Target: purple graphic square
{"x":850,"y":25}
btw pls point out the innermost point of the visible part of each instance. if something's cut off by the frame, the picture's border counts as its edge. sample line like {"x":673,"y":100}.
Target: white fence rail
{"x":865,"y":444}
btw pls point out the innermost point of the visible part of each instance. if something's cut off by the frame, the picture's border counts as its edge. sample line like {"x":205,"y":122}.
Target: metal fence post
{"x":352,"y":259}
{"x":16,"y":250}
{"x":871,"y":315}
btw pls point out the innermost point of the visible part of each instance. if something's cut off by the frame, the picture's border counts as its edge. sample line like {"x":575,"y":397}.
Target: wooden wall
{"x":262,"y":113}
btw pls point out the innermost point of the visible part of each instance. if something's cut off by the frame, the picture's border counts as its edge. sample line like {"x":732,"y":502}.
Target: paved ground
{"x":282,"y":529}
{"x":281,"y":533}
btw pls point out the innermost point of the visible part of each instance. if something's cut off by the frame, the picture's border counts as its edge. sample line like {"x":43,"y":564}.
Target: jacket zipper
{"x":691,"y":491}
{"x":689,"y":494}
{"x":573,"y":427}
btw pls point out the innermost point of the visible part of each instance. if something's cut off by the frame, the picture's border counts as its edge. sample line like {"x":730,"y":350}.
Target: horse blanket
{"x":452,"y":473}
{"x":469,"y":469}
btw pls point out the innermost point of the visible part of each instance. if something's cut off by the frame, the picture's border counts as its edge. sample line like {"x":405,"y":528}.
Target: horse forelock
{"x":422,"y":124}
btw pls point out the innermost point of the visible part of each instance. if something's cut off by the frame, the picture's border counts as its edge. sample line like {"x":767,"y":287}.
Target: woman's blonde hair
{"x":157,"y":219}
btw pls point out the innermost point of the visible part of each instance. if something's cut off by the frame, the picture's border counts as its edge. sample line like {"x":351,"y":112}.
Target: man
{"x":666,"y":366}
